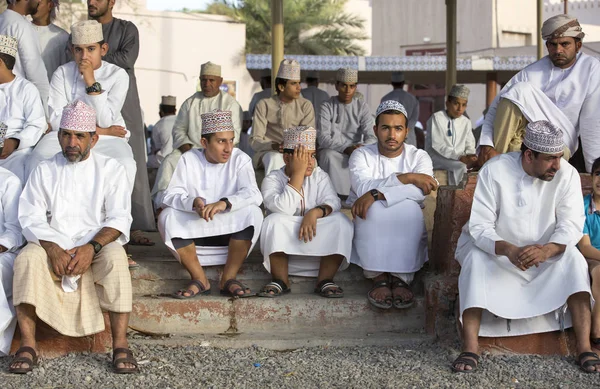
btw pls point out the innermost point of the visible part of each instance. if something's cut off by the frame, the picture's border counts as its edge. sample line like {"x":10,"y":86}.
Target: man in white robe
{"x":410,"y":103}
{"x":520,"y":267}
{"x":99,"y":84}
{"x":563,"y":88}
{"x":313,"y":94}
{"x":75,"y":212}
{"x":265,"y":93}
{"x":29,"y":63}
{"x":53,"y":39}
{"x":390,"y":180}
{"x":211,"y":213}
{"x":187,"y":130}
{"x":450,"y":141}
{"x":10,"y":243}
{"x":162,"y":132}
{"x":345,"y":124}
{"x":21,"y":113}
{"x":304,"y":234}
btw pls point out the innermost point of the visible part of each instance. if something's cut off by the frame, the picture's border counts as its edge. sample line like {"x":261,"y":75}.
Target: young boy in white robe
{"x":450,"y":141}
{"x":521,"y":272}
{"x":21,"y":113}
{"x":10,"y":243}
{"x":390,"y":180}
{"x":100,"y":85}
{"x":304,"y":234}
{"x":211,"y":213}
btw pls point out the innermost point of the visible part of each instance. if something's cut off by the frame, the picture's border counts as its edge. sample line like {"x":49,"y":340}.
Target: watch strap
{"x":94,"y":88}
{"x":375,"y":194}
{"x":323,"y":208}
{"x":97,"y":246}
{"x":227,"y":203}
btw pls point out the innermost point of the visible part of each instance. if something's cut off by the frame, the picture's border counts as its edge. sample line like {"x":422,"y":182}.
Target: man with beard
{"x":75,"y":212}
{"x":390,"y":180}
{"x":562,"y":88}
{"x":123,"y":47}
{"x":29,"y":63}
{"x":53,"y":39}
{"x":521,"y":268}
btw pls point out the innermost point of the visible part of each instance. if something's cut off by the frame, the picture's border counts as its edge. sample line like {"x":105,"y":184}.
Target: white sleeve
{"x":248,"y":193}
{"x":281,"y":197}
{"x":12,"y":238}
{"x":570,"y":217}
{"x":326,"y":193}
{"x":177,"y":195}
{"x":108,"y":104}
{"x":34,"y":121}
{"x":482,"y":222}
{"x":117,"y":203}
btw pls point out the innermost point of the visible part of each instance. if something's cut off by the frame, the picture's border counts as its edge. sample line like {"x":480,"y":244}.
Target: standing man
{"x":520,"y":267}
{"x":345,"y":124}
{"x":162,"y":132}
{"x":123,"y":47}
{"x":410,"y":103}
{"x":53,"y":39}
{"x":29,"y":63}
{"x":313,"y":94}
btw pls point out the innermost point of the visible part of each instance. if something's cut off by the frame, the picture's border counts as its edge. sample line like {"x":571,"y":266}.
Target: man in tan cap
{"x":187,"y":130}
{"x":162,"y":132}
{"x":287,"y":109}
{"x":345,"y":124}
{"x":53,"y":39}
{"x":450,"y":141}
{"x":410,"y":103}
{"x":563,"y":88}
{"x":313,"y":94}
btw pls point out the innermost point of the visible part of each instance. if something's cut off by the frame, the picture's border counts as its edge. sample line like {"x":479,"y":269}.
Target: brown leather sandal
{"x":129,"y":359}
{"x":31,"y":362}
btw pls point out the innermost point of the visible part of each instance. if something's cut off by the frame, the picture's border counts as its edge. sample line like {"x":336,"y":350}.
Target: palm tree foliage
{"x":317,"y":27}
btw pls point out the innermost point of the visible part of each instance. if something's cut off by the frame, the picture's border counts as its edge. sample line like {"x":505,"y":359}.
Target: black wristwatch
{"x":94,"y":88}
{"x":322,"y":208}
{"x":97,"y":246}
{"x":227,"y":203}
{"x":375,"y":194}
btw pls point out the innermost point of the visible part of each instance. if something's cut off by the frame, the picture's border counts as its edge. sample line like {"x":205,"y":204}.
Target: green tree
{"x":317,"y":27}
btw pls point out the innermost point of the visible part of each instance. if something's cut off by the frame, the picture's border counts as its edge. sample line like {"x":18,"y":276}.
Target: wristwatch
{"x":97,"y":246}
{"x":322,"y":208}
{"x":375,"y":194}
{"x":227,"y":203}
{"x":94,"y":88}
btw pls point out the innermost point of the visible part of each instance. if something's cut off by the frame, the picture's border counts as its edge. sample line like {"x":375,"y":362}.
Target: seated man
{"x":99,"y":84}
{"x":520,"y":267}
{"x":187,"y":129}
{"x":589,"y":245}
{"x":450,"y":141}
{"x":273,"y":115}
{"x":211,"y":213}
{"x":162,"y":132}
{"x":390,"y":180}
{"x":563,"y":88}
{"x":301,"y":201}
{"x":345,"y":124}
{"x":76,"y":213}
{"x":10,"y":243}
{"x":21,"y":112}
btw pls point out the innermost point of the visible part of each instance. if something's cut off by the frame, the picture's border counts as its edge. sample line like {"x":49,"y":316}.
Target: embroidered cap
{"x":300,"y":136}
{"x":3,"y":130}
{"x":398,"y":77}
{"x":8,"y":45}
{"x":289,"y":69}
{"x":544,"y":137}
{"x":460,"y":91}
{"x":210,"y":69}
{"x":86,"y":32}
{"x":347,"y":75}
{"x":78,"y":116}
{"x":391,"y":105}
{"x":168,"y":100}
{"x":216,"y":121}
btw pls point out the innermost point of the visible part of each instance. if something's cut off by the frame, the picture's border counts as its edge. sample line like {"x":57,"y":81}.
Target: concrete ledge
{"x":548,"y":343}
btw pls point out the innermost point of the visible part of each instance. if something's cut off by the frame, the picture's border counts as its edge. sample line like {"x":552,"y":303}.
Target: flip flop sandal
{"x":273,"y":289}
{"x":31,"y":362}
{"x":139,"y":239}
{"x":128,"y":359}
{"x":227,"y":292}
{"x":385,"y":304}
{"x":399,"y":301}
{"x":594,"y":361}
{"x":203,"y":291}
{"x":466,"y":358}
{"x":324,"y":287}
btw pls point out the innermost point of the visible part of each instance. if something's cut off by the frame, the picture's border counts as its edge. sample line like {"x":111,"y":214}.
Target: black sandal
{"x":594,"y":361}
{"x":399,"y":301}
{"x":31,"y":362}
{"x":180,"y":293}
{"x":128,"y":359}
{"x":274,"y":288}
{"x":468,"y":359}
{"x":329,"y":289}
{"x":385,"y":304}
{"x":243,"y":288}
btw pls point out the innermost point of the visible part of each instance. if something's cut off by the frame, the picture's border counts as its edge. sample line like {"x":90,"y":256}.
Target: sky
{"x":176,"y":5}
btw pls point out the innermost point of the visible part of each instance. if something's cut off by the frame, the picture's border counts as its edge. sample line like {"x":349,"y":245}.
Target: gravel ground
{"x":420,"y":365}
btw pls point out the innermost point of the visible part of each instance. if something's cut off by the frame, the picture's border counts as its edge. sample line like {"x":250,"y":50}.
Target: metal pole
{"x":566,"y":7}
{"x":450,"y":44}
{"x":276,"y":39}
{"x":540,"y":43}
